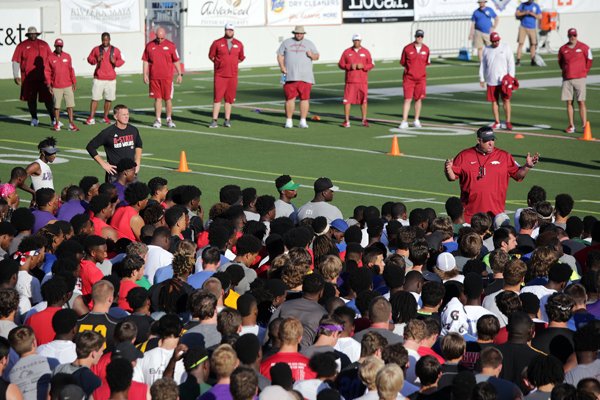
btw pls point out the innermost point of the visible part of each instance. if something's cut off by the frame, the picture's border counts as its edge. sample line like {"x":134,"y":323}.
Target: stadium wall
{"x":385,"y":41}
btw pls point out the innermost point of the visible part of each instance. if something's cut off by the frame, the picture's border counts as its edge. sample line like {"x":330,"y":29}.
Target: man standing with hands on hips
{"x":106,"y":58}
{"x":415,"y":59}
{"x":484,"y":21}
{"x":160,"y":57}
{"x":575,"y":61}
{"x":120,"y":140}
{"x":497,"y":62}
{"x":483,"y":172}
{"x":357,"y":62}
{"x":226,"y":53}
{"x":295,"y":57}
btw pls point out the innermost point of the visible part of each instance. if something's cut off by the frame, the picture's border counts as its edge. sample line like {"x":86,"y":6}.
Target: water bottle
{"x":283,"y":79}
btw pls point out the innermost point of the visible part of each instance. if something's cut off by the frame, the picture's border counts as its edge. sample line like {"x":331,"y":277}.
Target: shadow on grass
{"x":559,"y":161}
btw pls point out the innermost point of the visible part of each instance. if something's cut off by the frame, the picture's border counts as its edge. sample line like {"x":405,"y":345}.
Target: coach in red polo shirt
{"x":415,"y":59}
{"x":483,"y":172}
{"x":357,"y":62}
{"x":160,"y":57}
{"x":575,"y":61}
{"x":226,"y":53}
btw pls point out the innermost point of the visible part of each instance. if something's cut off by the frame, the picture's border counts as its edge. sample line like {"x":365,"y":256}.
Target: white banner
{"x":221,"y":12}
{"x":13,"y":27}
{"x":304,"y":12}
{"x":97,"y":16}
{"x":456,"y":8}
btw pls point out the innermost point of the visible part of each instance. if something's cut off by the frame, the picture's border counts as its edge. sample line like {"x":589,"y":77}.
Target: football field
{"x":257,"y":149}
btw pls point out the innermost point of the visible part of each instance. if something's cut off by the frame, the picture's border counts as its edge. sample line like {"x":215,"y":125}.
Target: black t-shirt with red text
{"x":118,"y":143}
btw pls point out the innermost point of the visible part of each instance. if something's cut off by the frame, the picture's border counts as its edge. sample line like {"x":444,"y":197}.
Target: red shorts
{"x":355,"y":93}
{"x":414,"y":89}
{"x":32,"y":89}
{"x":225,"y":87}
{"x":297,"y":88}
{"x":494,"y":93}
{"x":161,"y":89}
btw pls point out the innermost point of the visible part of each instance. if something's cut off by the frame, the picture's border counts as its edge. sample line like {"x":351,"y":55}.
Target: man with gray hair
{"x":295,"y":58}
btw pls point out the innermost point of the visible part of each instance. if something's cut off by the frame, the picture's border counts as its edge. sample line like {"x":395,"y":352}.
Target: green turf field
{"x":257,"y":149}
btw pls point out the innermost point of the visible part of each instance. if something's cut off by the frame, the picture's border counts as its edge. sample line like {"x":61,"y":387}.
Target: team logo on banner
{"x":277,"y":5}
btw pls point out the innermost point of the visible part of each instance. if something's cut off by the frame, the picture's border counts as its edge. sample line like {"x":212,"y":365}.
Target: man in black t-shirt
{"x":120,"y":140}
{"x":97,"y":319}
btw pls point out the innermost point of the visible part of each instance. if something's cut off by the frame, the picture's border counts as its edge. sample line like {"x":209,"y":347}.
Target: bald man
{"x":160,"y":56}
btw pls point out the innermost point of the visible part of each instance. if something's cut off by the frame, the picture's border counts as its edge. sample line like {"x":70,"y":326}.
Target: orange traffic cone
{"x":395,"y":151}
{"x":183,"y":164}
{"x":519,"y":136}
{"x":587,"y":132}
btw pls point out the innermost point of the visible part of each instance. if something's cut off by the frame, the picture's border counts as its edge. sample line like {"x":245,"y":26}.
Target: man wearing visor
{"x":287,"y":189}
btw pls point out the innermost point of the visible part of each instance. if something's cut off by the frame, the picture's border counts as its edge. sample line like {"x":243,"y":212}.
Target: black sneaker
{"x":518,"y":63}
{"x":533,"y":63}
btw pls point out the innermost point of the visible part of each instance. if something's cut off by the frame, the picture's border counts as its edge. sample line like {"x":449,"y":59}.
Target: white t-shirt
{"x":156,"y":258}
{"x":151,"y":367}
{"x":473,"y":315}
{"x":349,"y":347}
{"x":29,"y":291}
{"x":495,"y":63}
{"x":542,"y":293}
{"x":62,"y":350}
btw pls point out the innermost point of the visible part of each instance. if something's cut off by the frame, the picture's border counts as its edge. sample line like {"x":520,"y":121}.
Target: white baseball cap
{"x":356,"y":36}
{"x":229,"y":26}
{"x":445,"y":262}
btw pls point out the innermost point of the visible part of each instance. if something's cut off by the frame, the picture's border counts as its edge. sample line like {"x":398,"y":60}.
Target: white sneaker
{"x":170,"y":123}
{"x":303,"y":124}
{"x":289,"y":123}
{"x":35,"y":122}
{"x":417,"y":123}
{"x":403,"y":125}
{"x":156,"y":124}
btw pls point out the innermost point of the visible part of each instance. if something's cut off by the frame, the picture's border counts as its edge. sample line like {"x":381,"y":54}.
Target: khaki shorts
{"x":106,"y":90}
{"x":481,"y":39}
{"x":530,"y":33}
{"x":573,"y":88}
{"x":67,"y":93}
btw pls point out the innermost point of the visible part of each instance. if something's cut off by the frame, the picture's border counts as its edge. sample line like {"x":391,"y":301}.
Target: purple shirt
{"x":70,"y":209}
{"x":41,"y":219}
{"x":594,"y":309}
{"x":217,"y":392}
{"x":120,"y":191}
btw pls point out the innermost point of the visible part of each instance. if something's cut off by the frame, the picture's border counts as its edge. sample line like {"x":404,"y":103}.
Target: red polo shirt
{"x":59,"y":71}
{"x":351,"y":56}
{"x":487,"y":193}
{"x":41,"y":323}
{"x":415,"y":62}
{"x":160,"y":58}
{"x":226,"y":60}
{"x":27,"y":53}
{"x":575,"y":62}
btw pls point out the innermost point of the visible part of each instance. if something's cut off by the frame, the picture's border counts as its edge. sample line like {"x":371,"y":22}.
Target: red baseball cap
{"x":494,"y":37}
{"x":572,"y":32}
{"x":58,"y":42}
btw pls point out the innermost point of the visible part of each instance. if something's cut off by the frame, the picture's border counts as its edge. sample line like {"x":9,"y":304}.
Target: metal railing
{"x":445,"y":35}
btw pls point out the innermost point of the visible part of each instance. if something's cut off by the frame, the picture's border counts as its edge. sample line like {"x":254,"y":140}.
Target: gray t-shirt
{"x":309,"y":312}
{"x":583,"y":371}
{"x":298,"y":65}
{"x":319,"y":209}
{"x":208,"y":331}
{"x":32,"y":375}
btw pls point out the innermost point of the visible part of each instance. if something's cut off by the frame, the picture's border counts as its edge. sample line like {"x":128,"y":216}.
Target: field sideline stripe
{"x":512,"y":202}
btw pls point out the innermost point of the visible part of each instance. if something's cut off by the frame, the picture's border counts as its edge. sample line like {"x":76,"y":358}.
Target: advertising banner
{"x":454,"y":8}
{"x":220,"y":12}
{"x":304,"y":12}
{"x":369,"y":11}
{"x":97,"y":16}
{"x":13,"y":28}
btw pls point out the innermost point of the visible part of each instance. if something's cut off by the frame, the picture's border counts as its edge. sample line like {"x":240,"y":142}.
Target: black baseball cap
{"x":419,"y":33}
{"x":322,"y":184}
{"x":486,"y":133}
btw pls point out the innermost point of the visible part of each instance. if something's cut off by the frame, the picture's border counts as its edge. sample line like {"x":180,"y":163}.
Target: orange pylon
{"x":519,"y":136}
{"x":587,"y":132}
{"x":395,"y":151}
{"x":183,"y":164}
